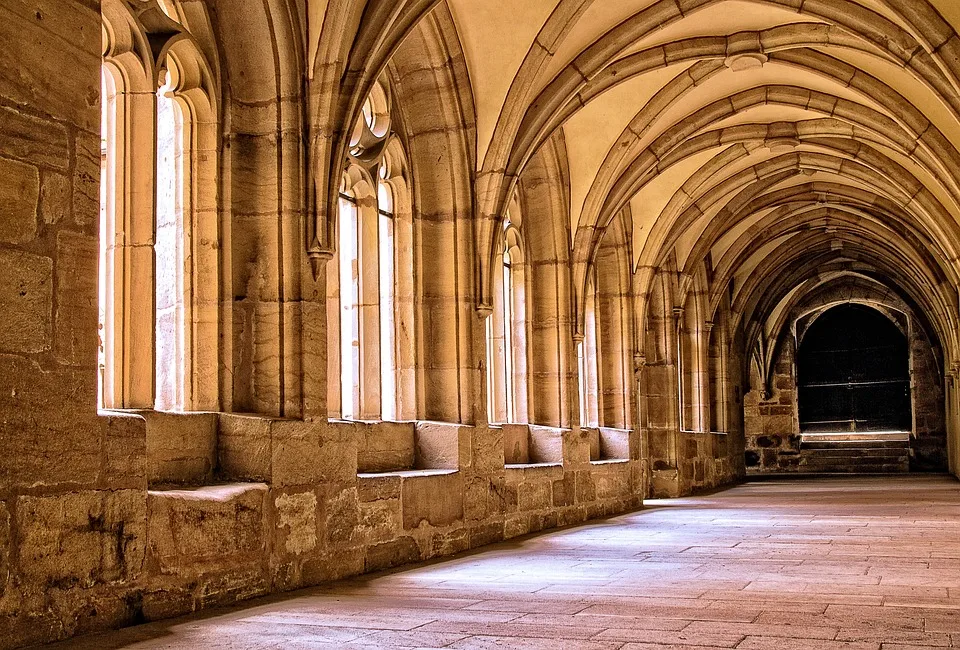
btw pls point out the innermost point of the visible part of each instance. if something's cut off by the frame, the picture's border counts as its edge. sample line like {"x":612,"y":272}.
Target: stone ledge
{"x":531,"y":465}
{"x":611,"y":461}
{"x":534,"y":471}
{"x":407,"y":473}
{"x":214,"y":493}
{"x":703,"y":433}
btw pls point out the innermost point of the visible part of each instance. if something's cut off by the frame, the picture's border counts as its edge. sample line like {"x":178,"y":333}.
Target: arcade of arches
{"x":304,"y":289}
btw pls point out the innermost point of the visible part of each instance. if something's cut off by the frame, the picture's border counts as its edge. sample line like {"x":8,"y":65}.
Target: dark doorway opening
{"x":853,"y":373}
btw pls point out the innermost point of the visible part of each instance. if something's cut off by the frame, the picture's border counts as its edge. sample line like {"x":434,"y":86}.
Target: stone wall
{"x":770,"y":422}
{"x":73,"y":499}
{"x":284,"y":506}
{"x":928,"y":445}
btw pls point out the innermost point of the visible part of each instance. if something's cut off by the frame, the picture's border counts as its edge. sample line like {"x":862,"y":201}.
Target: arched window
{"x":718,"y":385}
{"x":106,"y":322}
{"x":507,"y":335}
{"x":169,"y":250}
{"x":370,"y":292}
{"x":349,"y":284}
{"x":588,"y":355}
{"x":160,"y":236}
{"x":692,"y":361}
{"x":127,"y":196}
{"x":387,"y":266}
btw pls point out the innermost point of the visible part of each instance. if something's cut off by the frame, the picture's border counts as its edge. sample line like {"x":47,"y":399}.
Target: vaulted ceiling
{"x":780,"y":138}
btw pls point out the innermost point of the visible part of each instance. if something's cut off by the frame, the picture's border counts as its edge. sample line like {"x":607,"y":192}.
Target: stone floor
{"x":816,"y":563}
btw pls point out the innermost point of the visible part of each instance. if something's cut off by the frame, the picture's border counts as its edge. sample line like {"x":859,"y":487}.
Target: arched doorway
{"x":853,"y":373}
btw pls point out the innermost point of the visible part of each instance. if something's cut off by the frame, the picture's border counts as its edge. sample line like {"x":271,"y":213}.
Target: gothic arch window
{"x":128,"y":159}
{"x":507,"y":330}
{"x":692,"y":361}
{"x":187,"y":232}
{"x":159,"y":263}
{"x":372,"y":361}
{"x":107,"y":326}
{"x":719,"y":375}
{"x":588,"y":355}
{"x":169,"y":241}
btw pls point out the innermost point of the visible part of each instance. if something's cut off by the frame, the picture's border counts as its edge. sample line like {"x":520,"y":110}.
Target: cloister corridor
{"x":859,"y":563}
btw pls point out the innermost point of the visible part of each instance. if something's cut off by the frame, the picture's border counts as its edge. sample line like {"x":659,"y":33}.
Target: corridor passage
{"x":845,"y":563}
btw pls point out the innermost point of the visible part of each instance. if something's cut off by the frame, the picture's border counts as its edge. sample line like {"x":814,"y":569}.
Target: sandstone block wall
{"x":772,"y":424}
{"x":73,"y":499}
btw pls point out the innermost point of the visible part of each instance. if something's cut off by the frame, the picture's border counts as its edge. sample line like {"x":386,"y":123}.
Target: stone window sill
{"x":610,"y":461}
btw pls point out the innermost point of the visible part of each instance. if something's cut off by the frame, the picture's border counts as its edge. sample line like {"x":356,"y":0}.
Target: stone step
{"x":888,"y":468}
{"x":841,"y":436}
{"x":855,"y":444}
{"x":853,"y":453}
{"x":847,"y":462}
{"x":853,"y":465}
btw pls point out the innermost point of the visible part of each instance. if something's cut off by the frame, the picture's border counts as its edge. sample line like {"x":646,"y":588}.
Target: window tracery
{"x":588,"y":354}
{"x":373,"y":381}
{"x":159,"y":227}
{"x":507,"y":330}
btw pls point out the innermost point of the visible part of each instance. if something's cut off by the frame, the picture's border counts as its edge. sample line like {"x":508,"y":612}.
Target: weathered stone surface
{"x":297,"y":517}
{"x":26,"y":300}
{"x":297,"y":453}
{"x":55,"y":201}
{"x":438,"y":445}
{"x":374,"y":487}
{"x":124,"y":449}
{"x":33,"y":139}
{"x":380,"y":520}
{"x":516,"y":444}
{"x":76,"y":317}
{"x":435,"y":500}
{"x":535,"y":495}
{"x":62,"y":446}
{"x":181,"y":447}
{"x":243,"y":447}
{"x":6,"y":547}
{"x":402,"y":550}
{"x":81,"y":539}
{"x":19,"y":196}
{"x":73,"y":32}
{"x":386,"y":446}
{"x":206,"y":527}
{"x":342,"y":517}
